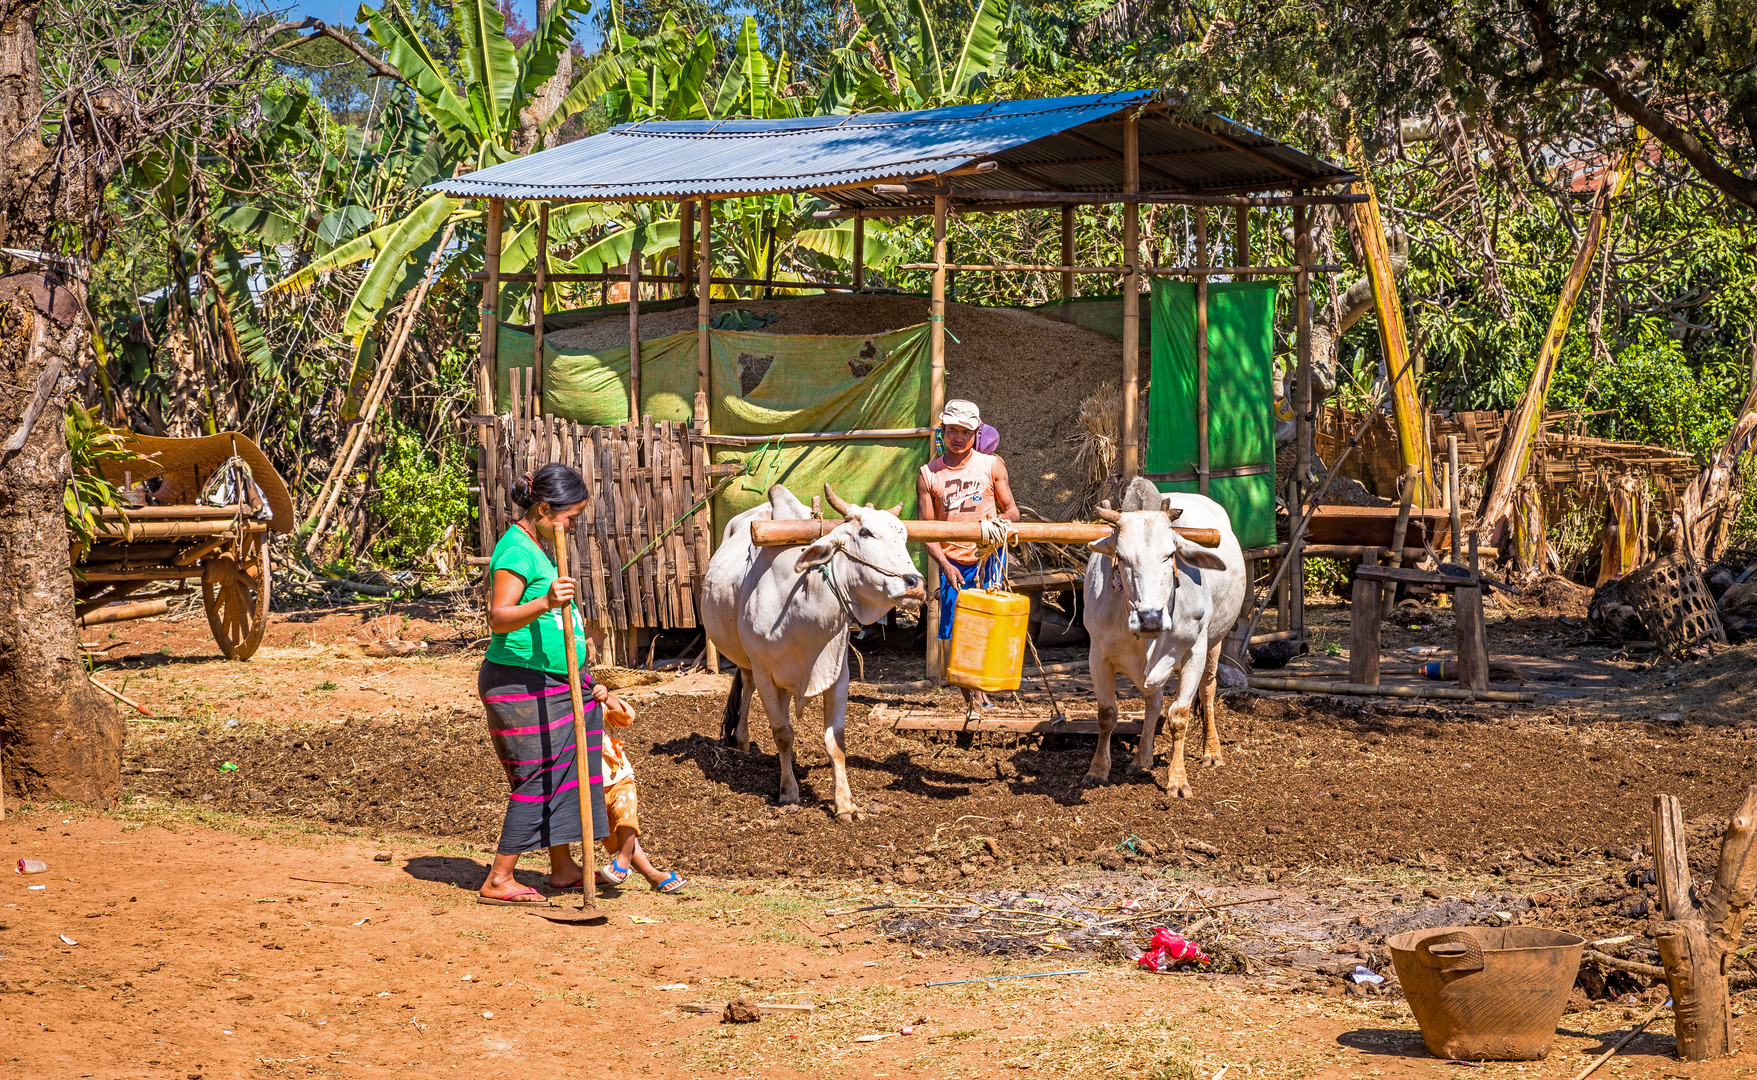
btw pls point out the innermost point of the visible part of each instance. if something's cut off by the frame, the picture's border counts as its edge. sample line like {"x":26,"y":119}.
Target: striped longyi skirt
{"x":530,"y":718}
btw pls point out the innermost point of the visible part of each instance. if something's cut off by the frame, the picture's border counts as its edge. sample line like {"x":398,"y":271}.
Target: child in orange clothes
{"x":624,"y":841}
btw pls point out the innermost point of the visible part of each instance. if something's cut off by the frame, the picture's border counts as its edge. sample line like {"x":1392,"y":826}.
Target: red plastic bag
{"x":1168,"y":950}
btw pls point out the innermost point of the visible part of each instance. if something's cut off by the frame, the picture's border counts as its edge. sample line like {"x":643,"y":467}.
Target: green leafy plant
{"x":88,"y":490}
{"x":421,"y":495}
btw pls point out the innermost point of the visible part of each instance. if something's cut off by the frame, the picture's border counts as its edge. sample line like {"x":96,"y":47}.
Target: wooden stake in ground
{"x":1700,"y":936}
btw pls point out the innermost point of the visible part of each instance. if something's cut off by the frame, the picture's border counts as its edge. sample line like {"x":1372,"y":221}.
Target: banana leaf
{"x":981,"y":44}
{"x":391,"y":272}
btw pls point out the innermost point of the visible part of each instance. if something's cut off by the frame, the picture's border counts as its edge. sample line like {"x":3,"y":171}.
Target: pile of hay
{"x":1029,"y":374}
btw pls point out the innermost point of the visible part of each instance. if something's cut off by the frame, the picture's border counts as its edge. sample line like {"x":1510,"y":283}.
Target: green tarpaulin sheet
{"x":763,"y":385}
{"x":1241,"y":420}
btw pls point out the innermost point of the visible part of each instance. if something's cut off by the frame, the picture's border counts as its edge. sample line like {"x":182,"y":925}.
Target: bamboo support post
{"x":1067,"y":257}
{"x":634,"y":334}
{"x":1400,"y":528}
{"x":1701,"y":932}
{"x":1130,"y":458}
{"x":1364,"y":615}
{"x":686,"y":246}
{"x":1241,"y":241}
{"x":1202,"y":433}
{"x":703,"y":312}
{"x":859,"y":254}
{"x":486,"y":373}
{"x":1452,"y":496}
{"x":538,"y":288}
{"x":795,"y":533}
{"x":1303,"y":415}
{"x":936,"y":403}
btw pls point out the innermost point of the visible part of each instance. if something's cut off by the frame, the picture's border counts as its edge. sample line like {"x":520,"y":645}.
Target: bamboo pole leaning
{"x":327,"y":496}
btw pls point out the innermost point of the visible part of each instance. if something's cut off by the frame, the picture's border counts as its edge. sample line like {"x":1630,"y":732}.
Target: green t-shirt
{"x":539,"y":644}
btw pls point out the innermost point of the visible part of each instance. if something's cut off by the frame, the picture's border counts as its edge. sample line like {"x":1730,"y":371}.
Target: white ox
{"x":782,"y":614}
{"x":1159,"y":606}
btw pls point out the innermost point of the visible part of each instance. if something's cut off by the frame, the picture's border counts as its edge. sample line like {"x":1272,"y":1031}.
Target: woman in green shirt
{"x":523,"y":685}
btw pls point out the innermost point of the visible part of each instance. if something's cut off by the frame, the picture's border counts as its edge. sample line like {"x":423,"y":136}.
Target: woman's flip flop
{"x":671,"y":884}
{"x":513,"y":899}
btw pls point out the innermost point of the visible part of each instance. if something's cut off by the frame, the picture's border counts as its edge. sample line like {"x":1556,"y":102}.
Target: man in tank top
{"x":964,"y":484}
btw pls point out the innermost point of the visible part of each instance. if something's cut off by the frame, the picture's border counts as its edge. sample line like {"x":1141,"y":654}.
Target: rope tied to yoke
{"x":996,"y":534}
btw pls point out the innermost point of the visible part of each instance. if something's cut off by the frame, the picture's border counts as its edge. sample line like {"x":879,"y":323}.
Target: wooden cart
{"x":226,"y":547}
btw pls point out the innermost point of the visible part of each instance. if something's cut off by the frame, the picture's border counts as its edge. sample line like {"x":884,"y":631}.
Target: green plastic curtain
{"x":1241,"y":421}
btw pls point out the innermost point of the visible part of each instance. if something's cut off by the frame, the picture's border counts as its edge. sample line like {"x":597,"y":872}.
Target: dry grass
{"x":1096,"y":445}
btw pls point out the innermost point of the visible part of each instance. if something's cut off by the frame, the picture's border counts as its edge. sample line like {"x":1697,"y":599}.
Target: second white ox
{"x":1159,"y":607}
{"x":782,"y":614}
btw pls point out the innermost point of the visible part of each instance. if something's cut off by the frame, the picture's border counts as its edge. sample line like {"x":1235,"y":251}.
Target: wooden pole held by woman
{"x":588,"y":857}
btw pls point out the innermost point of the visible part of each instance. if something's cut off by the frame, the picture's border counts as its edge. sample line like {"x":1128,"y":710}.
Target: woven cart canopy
{"x":197,"y":458}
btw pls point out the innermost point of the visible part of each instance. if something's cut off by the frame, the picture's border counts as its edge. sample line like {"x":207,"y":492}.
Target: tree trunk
{"x":1701,"y":932}
{"x":62,"y":739}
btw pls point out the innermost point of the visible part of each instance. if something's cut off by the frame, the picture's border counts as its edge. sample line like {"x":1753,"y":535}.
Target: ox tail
{"x":729,"y":723}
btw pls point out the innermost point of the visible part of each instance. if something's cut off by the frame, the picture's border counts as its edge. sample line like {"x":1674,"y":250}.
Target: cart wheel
{"x":236,"y":597}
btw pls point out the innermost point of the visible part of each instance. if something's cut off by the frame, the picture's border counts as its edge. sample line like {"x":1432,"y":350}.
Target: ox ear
{"x":815,"y":556}
{"x":1193,"y":554}
{"x":1104,"y":545}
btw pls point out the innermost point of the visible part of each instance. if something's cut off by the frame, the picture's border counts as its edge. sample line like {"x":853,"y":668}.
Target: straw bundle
{"x":1096,"y":445}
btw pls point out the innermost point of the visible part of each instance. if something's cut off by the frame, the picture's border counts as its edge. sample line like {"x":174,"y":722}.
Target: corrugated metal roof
{"x":1067,"y":143}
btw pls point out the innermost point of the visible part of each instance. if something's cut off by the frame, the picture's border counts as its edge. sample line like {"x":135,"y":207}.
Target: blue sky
{"x":341,"y":13}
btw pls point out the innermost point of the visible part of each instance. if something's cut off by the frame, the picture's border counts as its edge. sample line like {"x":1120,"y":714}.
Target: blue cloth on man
{"x":985,"y":574}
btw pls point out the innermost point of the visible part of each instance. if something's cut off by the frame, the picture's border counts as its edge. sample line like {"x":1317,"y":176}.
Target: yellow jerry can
{"x":988,"y":639}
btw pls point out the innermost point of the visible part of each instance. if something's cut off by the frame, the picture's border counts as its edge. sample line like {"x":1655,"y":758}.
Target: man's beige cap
{"x":961,"y":413}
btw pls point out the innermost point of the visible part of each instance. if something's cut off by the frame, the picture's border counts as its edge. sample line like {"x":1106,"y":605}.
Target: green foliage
{"x":90,"y":442}
{"x":421,"y":499}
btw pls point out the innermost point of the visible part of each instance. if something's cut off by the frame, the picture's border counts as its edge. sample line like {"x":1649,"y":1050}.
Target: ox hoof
{"x":1179,"y":788}
{"x":1093,"y":780}
{"x":1137,"y":773}
{"x":1214,"y":759}
{"x":846,"y":817}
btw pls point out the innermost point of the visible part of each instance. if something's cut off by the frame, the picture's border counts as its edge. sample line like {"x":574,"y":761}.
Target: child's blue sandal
{"x":671,"y":884}
{"x":613,"y":875}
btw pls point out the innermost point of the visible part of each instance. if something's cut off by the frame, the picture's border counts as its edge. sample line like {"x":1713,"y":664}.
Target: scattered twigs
{"x":1624,"y":1041}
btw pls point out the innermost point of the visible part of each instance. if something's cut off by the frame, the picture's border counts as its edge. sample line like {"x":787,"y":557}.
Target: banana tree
{"x":758,"y":237}
{"x":894,"y":60}
{"x":489,"y":117}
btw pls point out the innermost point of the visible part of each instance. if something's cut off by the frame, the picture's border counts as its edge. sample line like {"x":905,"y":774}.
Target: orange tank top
{"x":963,"y":493}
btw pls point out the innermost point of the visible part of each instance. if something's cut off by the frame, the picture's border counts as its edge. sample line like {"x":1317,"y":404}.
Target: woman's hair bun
{"x":556,"y":484}
{"x":520,"y":492}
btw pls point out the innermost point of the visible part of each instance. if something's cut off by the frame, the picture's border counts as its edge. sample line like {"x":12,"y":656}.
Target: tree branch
{"x":321,"y":29}
{"x":1725,"y":180}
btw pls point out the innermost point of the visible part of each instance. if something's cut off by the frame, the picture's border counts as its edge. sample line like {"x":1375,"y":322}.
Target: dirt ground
{"x":231,"y":919}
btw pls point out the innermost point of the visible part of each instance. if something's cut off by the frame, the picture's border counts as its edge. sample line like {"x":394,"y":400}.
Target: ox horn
{"x":1174,"y":512}
{"x":840,"y":504}
{"x":1107,"y":514}
{"x":896,"y":511}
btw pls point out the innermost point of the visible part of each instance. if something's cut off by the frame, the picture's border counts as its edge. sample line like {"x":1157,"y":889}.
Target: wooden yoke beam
{"x":793,"y":533}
